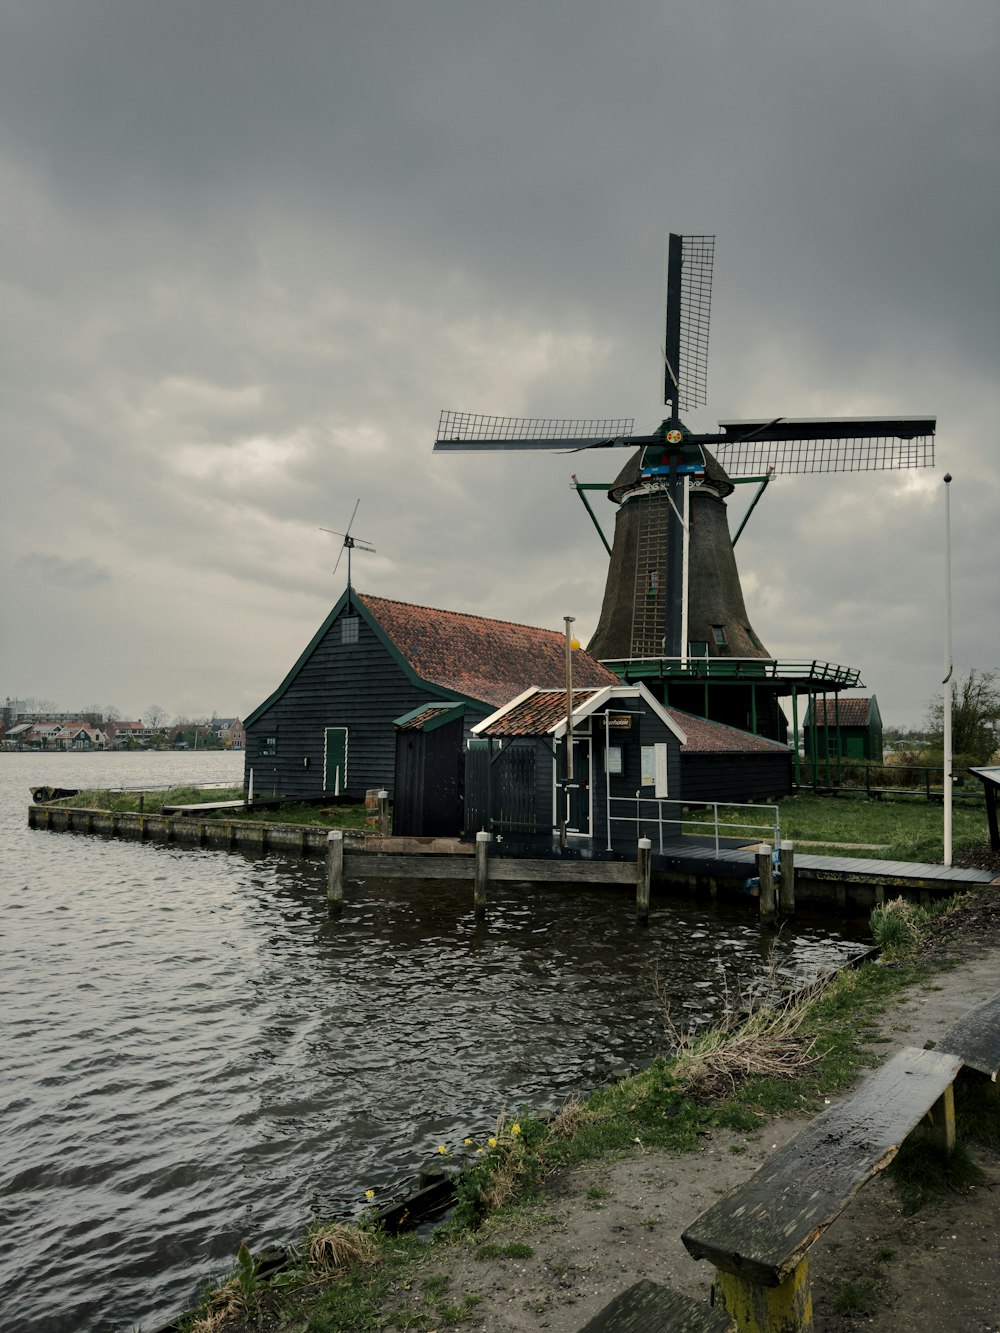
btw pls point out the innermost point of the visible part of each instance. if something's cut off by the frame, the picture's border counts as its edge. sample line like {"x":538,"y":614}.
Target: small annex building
{"x":328,"y":727}
{"x":722,"y":763}
{"x":625,"y":781}
{"x":843,"y":728}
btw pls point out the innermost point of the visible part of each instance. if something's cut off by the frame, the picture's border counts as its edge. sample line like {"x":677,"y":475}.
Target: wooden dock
{"x":693,"y":865}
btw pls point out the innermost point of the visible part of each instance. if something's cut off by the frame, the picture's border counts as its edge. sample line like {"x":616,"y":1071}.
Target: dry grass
{"x":336,"y":1245}
{"x":762,"y":1039}
{"x":570,"y":1120}
{"x":226,"y":1305}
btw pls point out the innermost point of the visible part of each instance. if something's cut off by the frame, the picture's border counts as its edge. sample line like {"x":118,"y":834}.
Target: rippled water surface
{"x":195,"y":1055}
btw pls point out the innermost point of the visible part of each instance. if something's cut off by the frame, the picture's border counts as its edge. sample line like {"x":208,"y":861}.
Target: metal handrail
{"x":773,"y":828}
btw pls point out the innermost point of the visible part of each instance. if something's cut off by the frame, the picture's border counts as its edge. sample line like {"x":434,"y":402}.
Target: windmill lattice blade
{"x":697,"y":262}
{"x":339,"y":556}
{"x":472,"y":431}
{"x":816,"y":444}
{"x":353,"y":513}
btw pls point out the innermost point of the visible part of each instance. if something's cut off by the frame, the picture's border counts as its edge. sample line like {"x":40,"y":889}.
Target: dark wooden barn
{"x":721,"y":763}
{"x":847,"y":728}
{"x":626,"y":771}
{"x":328,"y":727}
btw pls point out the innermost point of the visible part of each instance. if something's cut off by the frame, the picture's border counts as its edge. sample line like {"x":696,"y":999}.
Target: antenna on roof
{"x":349,"y":544}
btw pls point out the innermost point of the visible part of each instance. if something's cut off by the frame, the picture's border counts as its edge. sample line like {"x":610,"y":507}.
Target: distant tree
{"x":975,"y":716}
{"x":155,"y":717}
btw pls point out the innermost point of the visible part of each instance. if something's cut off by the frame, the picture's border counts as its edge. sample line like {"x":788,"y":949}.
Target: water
{"x":193,"y":1054}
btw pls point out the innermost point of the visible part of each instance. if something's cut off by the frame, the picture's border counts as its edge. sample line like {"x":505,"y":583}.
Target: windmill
{"x":349,"y":544}
{"x":673,"y":595}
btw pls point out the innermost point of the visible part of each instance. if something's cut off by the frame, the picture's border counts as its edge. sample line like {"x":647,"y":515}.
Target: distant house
{"x":126,"y":734}
{"x":230,"y":733}
{"x":328,"y":727}
{"x":81,"y":736}
{"x":845,"y":728}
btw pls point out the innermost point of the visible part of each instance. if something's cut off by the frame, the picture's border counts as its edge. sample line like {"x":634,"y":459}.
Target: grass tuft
{"x":923,"y":1173}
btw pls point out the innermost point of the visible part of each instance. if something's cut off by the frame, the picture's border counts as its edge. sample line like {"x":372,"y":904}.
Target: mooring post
{"x":335,"y":870}
{"x":482,"y":871}
{"x":383,"y":814}
{"x":643,"y":868}
{"x":765,"y":873}
{"x":786,"y":890}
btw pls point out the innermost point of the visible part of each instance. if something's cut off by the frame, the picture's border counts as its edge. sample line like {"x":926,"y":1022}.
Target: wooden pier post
{"x":765,"y":873}
{"x":335,"y":871}
{"x":643,"y":868}
{"x":482,"y":872}
{"x":383,"y":814}
{"x":786,"y":890}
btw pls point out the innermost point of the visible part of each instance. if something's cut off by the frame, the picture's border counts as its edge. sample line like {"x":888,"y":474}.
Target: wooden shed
{"x":430,"y":771}
{"x":329,"y":726}
{"x":721,"y":763}
{"x":843,"y":728}
{"x":625,"y":782}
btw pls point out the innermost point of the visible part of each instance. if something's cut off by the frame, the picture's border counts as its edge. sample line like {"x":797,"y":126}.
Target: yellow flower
{"x":492,"y":1141}
{"x":467,"y":1142}
{"x":479,"y":1150}
{"x":369,"y":1194}
{"x":442,"y":1150}
{"x":515,"y":1130}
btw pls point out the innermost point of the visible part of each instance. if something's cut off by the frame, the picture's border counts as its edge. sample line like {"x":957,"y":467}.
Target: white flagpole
{"x":948,"y":666}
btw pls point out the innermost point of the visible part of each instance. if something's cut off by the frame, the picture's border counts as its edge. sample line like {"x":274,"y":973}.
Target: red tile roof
{"x":537,"y":714}
{"x":705,"y":737}
{"x":853,"y":712}
{"x":489,"y":660}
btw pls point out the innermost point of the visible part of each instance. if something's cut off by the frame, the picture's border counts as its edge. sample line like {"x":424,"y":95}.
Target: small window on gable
{"x":349,"y":629}
{"x":267,"y":745}
{"x":719,"y":635}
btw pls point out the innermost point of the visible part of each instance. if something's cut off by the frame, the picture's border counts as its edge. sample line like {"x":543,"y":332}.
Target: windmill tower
{"x":673,"y":613}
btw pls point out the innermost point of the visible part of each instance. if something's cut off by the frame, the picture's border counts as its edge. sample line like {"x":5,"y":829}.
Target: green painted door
{"x":335,"y":760}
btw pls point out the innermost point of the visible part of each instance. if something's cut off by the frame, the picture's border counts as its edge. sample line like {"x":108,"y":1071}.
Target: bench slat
{"x":763,"y":1228}
{"x":976,"y":1037}
{"x":647,"y":1307}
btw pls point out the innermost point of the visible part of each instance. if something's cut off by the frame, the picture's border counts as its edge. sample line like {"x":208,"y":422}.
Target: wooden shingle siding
{"x":358,"y":686}
{"x":733,"y":777}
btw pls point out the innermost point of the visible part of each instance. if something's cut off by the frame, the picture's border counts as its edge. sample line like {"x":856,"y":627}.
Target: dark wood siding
{"x":733,"y":777}
{"x":359,"y":686}
{"x":429,"y":782}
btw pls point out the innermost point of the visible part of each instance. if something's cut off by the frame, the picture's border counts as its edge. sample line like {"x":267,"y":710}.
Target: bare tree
{"x":975,"y":716}
{"x":155,"y":717}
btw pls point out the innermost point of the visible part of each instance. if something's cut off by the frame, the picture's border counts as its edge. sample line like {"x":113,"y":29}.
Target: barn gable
{"x":328,"y":727}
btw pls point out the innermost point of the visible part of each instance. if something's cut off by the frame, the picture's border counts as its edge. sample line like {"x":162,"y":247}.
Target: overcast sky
{"x":250,"y":250}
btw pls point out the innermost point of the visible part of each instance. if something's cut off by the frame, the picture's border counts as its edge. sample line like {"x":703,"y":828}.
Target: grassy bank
{"x":152,"y":803}
{"x":888,"y":830}
{"x":785,"y":1059}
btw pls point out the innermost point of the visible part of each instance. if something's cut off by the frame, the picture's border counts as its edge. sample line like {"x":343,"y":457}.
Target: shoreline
{"x":597,"y":1227}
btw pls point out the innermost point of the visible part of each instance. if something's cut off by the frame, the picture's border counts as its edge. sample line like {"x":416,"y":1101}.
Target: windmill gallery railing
{"x":806,"y":672}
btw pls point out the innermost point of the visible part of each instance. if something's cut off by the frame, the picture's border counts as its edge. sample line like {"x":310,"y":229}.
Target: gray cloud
{"x":250,"y":251}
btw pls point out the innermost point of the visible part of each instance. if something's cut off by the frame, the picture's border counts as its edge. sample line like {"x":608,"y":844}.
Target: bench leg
{"x":758,"y":1309}
{"x":939,"y":1122}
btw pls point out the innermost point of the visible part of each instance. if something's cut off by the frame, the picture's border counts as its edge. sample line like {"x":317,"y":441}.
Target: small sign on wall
{"x":654,"y":769}
{"x":615,"y":767}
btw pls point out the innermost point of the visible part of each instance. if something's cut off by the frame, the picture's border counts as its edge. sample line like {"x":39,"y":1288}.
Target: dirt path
{"x":602,"y":1227}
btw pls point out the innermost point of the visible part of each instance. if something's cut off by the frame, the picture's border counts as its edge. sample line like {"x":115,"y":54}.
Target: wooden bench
{"x":758,"y":1236}
{"x":975,"y":1038}
{"x":649,"y":1308}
